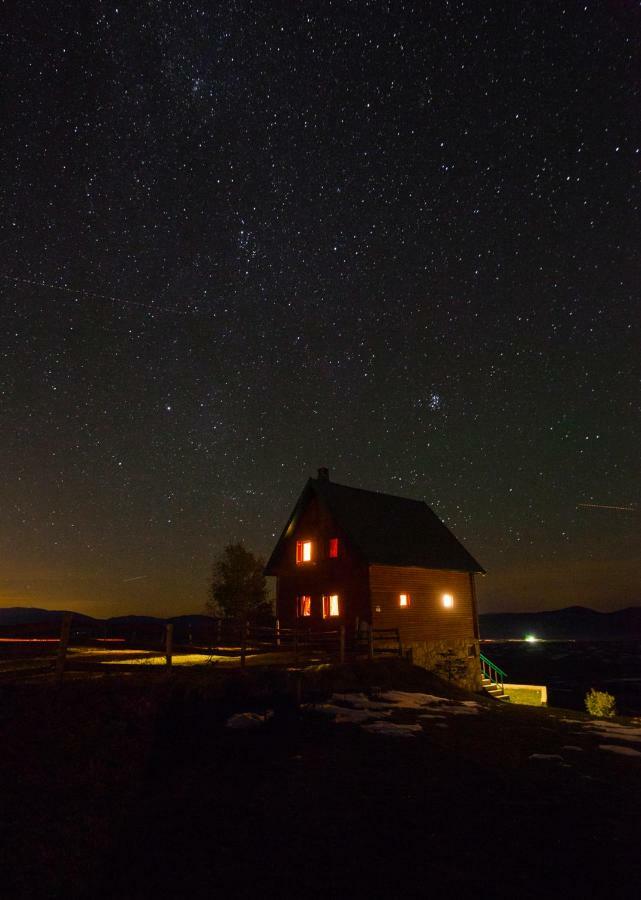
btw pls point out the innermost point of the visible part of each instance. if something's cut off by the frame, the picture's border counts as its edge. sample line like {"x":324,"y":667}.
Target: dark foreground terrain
{"x":130,"y":786}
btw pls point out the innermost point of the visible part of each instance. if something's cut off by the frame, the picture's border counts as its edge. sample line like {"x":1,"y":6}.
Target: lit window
{"x":303,"y":551}
{"x":404,"y":600}
{"x":331,"y":606}
{"x":333,"y":548}
{"x":304,"y":606}
{"x":448,"y":601}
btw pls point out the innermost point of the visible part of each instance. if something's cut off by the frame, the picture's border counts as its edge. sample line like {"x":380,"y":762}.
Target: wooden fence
{"x":288,"y":645}
{"x":305,"y":642}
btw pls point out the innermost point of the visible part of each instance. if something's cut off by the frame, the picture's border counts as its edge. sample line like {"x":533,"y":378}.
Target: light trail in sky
{"x":83,"y":292}
{"x":605,"y":506}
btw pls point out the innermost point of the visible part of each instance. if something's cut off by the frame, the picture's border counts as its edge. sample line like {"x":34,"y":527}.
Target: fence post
{"x":169,"y":644}
{"x":370,"y":643}
{"x":341,"y":644}
{"x":65,"y":631}
{"x":277,"y":632}
{"x":243,"y":643}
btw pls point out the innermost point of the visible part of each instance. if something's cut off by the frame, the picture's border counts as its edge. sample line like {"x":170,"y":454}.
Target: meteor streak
{"x":83,"y":292}
{"x":604,"y":506}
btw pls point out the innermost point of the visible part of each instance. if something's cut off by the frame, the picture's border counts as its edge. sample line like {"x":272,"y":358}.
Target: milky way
{"x":242,"y":240}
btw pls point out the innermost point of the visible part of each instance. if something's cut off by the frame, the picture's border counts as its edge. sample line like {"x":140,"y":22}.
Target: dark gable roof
{"x":389,"y":530}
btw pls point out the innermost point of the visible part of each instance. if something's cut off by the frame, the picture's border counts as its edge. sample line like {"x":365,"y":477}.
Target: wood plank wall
{"x":426,"y":619}
{"x":346,"y":576}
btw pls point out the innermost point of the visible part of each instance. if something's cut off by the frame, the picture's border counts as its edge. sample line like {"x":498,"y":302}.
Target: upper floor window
{"x":333,"y":548}
{"x":404,"y":600}
{"x":305,"y":605}
{"x":304,"y":551}
{"x":331,"y":606}
{"x":448,"y":601}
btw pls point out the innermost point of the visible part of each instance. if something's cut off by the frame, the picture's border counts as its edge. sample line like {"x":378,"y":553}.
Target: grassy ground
{"x":129,"y":785}
{"x":524,"y":696}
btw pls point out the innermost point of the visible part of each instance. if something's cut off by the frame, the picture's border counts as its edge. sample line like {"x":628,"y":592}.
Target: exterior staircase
{"x":493,"y":679}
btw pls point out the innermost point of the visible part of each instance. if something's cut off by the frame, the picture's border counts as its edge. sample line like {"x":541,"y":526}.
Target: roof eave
{"x":275,"y":554}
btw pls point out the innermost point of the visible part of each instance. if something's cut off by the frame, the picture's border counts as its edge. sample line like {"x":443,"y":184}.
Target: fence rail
{"x":333,"y":643}
{"x":225,"y":638}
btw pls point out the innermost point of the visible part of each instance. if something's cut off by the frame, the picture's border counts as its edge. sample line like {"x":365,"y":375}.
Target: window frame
{"x":408,"y":598}
{"x":300,"y":552}
{"x":333,"y":548}
{"x":300,"y":605}
{"x":327,"y":606}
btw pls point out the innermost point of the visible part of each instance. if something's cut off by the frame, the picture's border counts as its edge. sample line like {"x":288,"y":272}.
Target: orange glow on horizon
{"x":56,"y":640}
{"x":35,"y":640}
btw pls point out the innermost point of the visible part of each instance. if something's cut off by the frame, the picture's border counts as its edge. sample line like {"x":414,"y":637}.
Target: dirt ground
{"x":132,"y":786}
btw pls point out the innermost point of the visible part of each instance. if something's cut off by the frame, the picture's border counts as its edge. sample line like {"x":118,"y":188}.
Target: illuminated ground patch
{"x":188,"y":659}
{"x":104,"y":653}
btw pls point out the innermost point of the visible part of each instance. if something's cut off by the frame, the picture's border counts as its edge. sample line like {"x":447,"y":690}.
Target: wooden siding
{"x":347,"y":575}
{"x":351,"y":587}
{"x":426,"y":619}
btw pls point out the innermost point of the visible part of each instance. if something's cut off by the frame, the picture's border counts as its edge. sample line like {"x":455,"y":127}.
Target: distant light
{"x":448,"y":601}
{"x":531,"y":638}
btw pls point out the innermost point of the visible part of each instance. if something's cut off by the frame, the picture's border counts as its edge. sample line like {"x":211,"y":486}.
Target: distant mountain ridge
{"x":572,"y":623}
{"x":21,"y":621}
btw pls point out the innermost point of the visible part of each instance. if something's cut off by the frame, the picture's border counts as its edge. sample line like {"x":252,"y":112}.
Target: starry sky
{"x":244,"y":239}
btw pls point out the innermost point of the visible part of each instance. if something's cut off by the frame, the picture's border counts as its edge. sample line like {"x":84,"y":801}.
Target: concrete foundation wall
{"x":431,"y":655}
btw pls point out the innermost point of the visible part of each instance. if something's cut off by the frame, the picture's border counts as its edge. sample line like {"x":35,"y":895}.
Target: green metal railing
{"x":491,"y":671}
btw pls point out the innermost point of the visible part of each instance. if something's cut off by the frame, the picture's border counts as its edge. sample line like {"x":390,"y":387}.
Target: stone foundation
{"x":465,"y":669}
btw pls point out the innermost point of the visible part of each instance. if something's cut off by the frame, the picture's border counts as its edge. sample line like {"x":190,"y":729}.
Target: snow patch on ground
{"x":393,"y":729}
{"x":617,"y":748}
{"x":359,"y":709}
{"x":247,"y":720}
{"x":627,"y":733}
{"x":343,"y":714}
{"x":412,"y":699}
{"x":552,"y":756}
{"x":360,"y":701}
{"x":572,"y":747}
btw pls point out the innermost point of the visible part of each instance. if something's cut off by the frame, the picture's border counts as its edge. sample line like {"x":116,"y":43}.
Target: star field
{"x":241,"y":240}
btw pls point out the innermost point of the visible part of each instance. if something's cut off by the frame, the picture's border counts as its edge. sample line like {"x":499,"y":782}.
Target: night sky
{"x":242,"y":240}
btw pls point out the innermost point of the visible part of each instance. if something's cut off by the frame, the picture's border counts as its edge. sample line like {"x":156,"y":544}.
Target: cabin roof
{"x":385,"y":529}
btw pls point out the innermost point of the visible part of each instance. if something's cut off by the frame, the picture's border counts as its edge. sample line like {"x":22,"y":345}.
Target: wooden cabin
{"x":368,"y":560}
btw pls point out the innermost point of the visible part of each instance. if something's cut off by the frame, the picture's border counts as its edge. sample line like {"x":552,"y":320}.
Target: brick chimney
{"x":323,"y":474}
